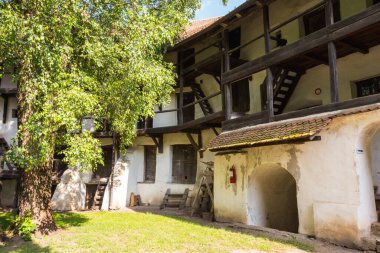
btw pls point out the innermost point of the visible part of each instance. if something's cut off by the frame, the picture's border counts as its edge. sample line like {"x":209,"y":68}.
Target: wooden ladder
{"x":99,"y":196}
{"x":204,"y":196}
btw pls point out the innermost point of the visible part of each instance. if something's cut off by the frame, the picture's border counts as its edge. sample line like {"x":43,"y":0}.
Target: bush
{"x":25,"y":227}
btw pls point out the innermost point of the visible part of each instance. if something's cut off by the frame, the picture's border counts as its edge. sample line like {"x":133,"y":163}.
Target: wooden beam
{"x":159,"y":142}
{"x":200,"y":145}
{"x":335,"y":31}
{"x":269,"y":79}
{"x":249,"y":120}
{"x":227,"y":86}
{"x":316,"y":59}
{"x":181,"y":83}
{"x":334,"y":90}
{"x":215,"y":131}
{"x":197,"y":123}
{"x":197,"y":146}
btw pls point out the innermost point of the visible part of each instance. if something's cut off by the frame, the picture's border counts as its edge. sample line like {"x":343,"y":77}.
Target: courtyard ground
{"x":148,"y":229}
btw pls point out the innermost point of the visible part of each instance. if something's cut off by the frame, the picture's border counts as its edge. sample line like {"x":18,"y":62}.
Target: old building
{"x":294,"y":87}
{"x":283,"y":96}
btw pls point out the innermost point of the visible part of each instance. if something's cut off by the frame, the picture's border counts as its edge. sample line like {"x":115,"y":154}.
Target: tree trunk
{"x":35,"y":197}
{"x":35,"y":185}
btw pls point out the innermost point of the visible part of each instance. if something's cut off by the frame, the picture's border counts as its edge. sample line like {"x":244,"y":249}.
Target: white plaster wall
{"x":168,"y":118}
{"x":230,"y":199}
{"x":375,"y":160}
{"x":9,"y":129}
{"x":209,"y":86}
{"x":334,"y":180}
{"x":153,"y":193}
{"x":119,"y":186}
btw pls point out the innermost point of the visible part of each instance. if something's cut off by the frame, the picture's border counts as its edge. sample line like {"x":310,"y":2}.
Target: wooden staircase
{"x":198,"y":93}
{"x":284,"y":83}
{"x":175,"y":200}
{"x":99,"y":196}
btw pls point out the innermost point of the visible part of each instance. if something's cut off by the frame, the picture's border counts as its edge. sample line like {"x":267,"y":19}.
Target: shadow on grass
{"x":291,"y":241}
{"x":17,"y":244}
{"x":66,"y":220}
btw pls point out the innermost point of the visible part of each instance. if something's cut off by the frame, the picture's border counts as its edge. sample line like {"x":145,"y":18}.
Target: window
{"x":184,"y":164}
{"x":234,"y":37}
{"x":188,"y":53}
{"x":188,"y":112}
{"x":14,"y":113}
{"x":150,"y":163}
{"x":368,"y":87}
{"x":316,"y":20}
{"x":240,"y":96}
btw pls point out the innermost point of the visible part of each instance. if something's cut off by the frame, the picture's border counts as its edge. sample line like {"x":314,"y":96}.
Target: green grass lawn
{"x":141,"y":232}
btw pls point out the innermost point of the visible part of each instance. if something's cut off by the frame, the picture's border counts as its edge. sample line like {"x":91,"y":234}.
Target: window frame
{"x":187,"y":179}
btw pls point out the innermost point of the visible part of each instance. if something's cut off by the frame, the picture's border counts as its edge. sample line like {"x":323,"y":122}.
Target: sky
{"x":214,"y":8}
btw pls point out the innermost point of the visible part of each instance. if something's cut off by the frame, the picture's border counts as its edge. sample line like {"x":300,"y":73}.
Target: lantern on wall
{"x":232,"y":174}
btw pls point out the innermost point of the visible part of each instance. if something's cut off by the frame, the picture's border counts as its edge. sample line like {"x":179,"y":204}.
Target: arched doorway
{"x":375,"y":167}
{"x":272,"y":198}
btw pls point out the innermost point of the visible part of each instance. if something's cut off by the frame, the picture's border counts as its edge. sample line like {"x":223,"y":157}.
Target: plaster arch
{"x":367,"y":160}
{"x":272,"y":198}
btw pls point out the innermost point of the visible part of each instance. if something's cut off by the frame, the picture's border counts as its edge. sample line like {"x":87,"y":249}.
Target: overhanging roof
{"x":269,"y":134}
{"x":298,"y":129}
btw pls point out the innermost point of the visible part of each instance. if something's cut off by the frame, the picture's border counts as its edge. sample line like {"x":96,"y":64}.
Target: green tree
{"x":74,"y":58}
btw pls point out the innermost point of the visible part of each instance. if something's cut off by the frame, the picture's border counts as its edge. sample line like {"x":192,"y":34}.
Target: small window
{"x":184,"y":168}
{"x":316,"y":20}
{"x":234,"y":38}
{"x":14,"y":113}
{"x":150,"y":153}
{"x":240,"y":96}
{"x":368,"y":87}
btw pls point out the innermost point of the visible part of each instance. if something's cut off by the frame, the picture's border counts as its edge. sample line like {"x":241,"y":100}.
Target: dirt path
{"x":319,"y":245}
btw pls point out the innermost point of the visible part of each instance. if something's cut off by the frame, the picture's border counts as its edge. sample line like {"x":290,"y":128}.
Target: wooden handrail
{"x":278,"y":27}
{"x":202,"y":99}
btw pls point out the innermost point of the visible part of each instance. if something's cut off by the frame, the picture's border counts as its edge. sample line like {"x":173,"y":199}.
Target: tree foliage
{"x":75,"y":58}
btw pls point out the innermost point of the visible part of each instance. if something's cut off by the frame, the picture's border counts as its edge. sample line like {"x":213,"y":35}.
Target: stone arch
{"x":272,"y":198}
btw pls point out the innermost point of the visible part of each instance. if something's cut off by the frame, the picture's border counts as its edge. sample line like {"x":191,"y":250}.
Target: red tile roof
{"x":196,"y":26}
{"x":268,"y":134}
{"x":282,"y":131}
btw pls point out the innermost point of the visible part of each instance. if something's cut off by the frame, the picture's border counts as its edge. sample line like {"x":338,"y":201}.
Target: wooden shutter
{"x":184,"y":164}
{"x":150,"y":153}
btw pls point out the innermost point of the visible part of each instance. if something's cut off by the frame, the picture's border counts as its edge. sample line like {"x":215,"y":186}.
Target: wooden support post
{"x":197,"y":146}
{"x":329,"y":15}
{"x":159,"y":142}
{"x":110,"y":192}
{"x":227,"y":86}
{"x":215,"y":132}
{"x":200,"y":145}
{"x":181,"y":83}
{"x":269,"y":71}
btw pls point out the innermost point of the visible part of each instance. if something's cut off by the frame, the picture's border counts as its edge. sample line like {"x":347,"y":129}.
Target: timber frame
{"x":324,"y":46}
